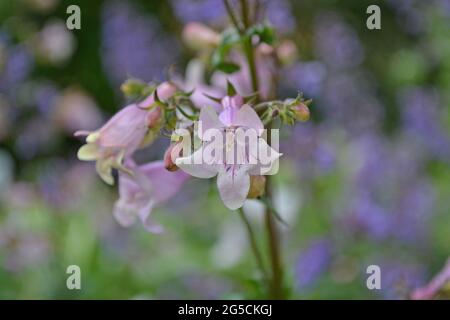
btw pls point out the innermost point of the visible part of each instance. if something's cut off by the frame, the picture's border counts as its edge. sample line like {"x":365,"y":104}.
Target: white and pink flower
{"x":229,"y":151}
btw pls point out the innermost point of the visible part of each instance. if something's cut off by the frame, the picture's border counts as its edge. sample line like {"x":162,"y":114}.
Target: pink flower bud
{"x":171,"y":155}
{"x":257,"y":187}
{"x":265,"y":49}
{"x":301,"y":112}
{"x":198,"y":36}
{"x":164,"y":91}
{"x":287,"y":52}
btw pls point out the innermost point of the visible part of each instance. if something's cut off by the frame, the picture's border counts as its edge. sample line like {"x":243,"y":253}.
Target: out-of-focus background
{"x":366,"y":181}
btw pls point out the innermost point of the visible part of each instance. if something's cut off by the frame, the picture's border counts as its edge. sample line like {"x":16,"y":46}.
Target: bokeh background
{"x":366,"y":181}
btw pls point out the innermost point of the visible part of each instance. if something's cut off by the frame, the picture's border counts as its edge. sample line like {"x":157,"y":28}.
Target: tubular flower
{"x":123,"y":134}
{"x":232,"y":148}
{"x":149,"y":186}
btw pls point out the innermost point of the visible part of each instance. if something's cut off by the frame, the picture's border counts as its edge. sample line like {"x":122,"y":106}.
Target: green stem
{"x":276,"y":279}
{"x":254,"y":244}
{"x":245,"y":13}
{"x":276,"y":286}
{"x":248,"y":48}
{"x":232,"y":16}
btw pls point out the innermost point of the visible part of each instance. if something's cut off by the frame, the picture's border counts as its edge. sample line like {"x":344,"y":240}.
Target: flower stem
{"x":254,"y":244}
{"x":232,"y":16}
{"x":248,"y":47}
{"x":276,"y":285}
{"x":276,"y":278}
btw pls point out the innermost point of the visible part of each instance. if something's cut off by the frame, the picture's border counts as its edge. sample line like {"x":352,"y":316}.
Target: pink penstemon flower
{"x":123,"y":134}
{"x":235,"y":158}
{"x":150,"y":185}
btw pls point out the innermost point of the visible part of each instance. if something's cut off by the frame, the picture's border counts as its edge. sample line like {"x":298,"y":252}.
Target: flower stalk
{"x":275,"y":280}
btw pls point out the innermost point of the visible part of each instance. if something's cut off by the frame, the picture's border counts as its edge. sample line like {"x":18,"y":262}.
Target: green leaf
{"x":213,"y":98}
{"x":227,"y":67}
{"x":230,"y":37}
{"x":231,"y":91}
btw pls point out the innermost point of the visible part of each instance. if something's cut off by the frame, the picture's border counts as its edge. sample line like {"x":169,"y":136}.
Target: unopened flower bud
{"x":301,"y":112}
{"x":171,"y":155}
{"x":287,"y":52}
{"x":133,"y":87}
{"x":257,"y":187}
{"x":164,"y":91}
{"x":198,"y":36}
{"x":265,"y":49}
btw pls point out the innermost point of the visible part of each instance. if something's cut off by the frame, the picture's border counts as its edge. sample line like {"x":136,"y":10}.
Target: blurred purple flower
{"x":421,"y":119}
{"x":336,"y":42}
{"x":134,"y":44}
{"x":390,"y":198}
{"x":398,"y":278}
{"x":414,"y":208}
{"x":22,"y":249}
{"x":207,"y":11}
{"x":18,"y":65}
{"x":312,"y":263}
{"x":36,"y":137}
{"x":308,"y":77}
{"x":45,"y":96}
{"x":279,"y":13}
{"x":368,"y":218}
{"x":309,"y":146}
{"x":350,"y":101}
{"x":409,"y":15}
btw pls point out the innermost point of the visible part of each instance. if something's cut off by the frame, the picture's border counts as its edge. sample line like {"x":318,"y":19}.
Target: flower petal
{"x":144,"y":215}
{"x":247,"y":117}
{"x":267,"y":158}
{"x":88,"y":152}
{"x":81,"y":133}
{"x":161,"y":184}
{"x":104,"y":170}
{"x":233,"y":185}
{"x":126,"y":129}
{"x":195,"y":166}
{"x":208,"y":119}
{"x":125,"y":213}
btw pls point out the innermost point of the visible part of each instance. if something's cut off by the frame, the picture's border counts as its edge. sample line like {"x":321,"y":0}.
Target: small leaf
{"x":231,"y":91}
{"x":156,"y":96}
{"x":230,"y":37}
{"x":212,"y":98}
{"x":227,"y":67}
